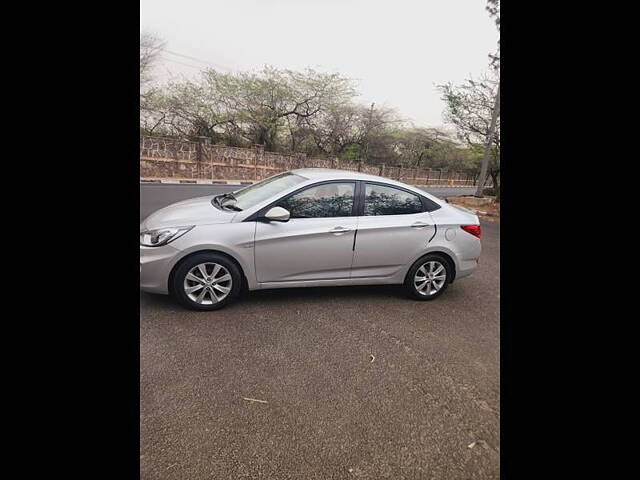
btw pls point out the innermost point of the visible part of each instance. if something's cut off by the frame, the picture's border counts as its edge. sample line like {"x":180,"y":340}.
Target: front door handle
{"x":419,"y":225}
{"x":339,"y":230}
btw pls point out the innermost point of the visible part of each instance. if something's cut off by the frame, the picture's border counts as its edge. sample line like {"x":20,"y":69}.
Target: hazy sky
{"x":397,"y":50}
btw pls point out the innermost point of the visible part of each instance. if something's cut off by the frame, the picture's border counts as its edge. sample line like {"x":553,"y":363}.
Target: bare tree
{"x":431,"y":148}
{"x":354,"y":132}
{"x":272,"y":100}
{"x":311,"y":112}
{"x":493,"y":7}
{"x":471,"y":108}
{"x":268,"y":107}
{"x":192,"y":109}
{"x":487,"y":149}
{"x":150,"y":47}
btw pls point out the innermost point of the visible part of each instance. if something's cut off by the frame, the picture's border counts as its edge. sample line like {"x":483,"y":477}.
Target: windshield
{"x":250,"y":196}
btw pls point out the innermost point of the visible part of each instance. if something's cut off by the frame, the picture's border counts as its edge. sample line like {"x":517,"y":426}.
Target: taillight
{"x":472,"y":229}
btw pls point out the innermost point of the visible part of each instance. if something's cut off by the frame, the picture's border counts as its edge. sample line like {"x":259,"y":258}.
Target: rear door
{"x":316,"y":243}
{"x":395,"y":227}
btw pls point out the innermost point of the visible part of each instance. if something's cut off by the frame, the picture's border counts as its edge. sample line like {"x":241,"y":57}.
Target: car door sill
{"x":329,"y":283}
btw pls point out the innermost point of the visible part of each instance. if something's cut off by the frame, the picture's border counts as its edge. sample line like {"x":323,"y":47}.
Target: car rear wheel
{"x":429,"y":277}
{"x":207,"y":281}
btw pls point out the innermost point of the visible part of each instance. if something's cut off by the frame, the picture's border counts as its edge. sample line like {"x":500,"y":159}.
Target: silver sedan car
{"x":307,"y":228}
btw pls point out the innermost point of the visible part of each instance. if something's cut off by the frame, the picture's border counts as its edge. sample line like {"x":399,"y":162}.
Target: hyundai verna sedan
{"x":307,"y":228}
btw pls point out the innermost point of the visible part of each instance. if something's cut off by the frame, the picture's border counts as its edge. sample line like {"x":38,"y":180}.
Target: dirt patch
{"x":488,"y":211}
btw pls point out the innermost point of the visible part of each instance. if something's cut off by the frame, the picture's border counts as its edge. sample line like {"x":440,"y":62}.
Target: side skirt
{"x":394,"y":280}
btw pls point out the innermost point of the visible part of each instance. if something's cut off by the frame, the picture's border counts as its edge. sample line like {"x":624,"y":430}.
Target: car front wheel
{"x":428,"y":277}
{"x":207,"y":281}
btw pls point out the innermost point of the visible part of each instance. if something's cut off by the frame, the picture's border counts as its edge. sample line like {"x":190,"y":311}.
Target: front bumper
{"x":155,"y":266}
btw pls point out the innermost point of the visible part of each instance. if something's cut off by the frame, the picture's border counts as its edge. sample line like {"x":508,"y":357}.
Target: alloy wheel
{"x":207,"y":283}
{"x":430,"y":278}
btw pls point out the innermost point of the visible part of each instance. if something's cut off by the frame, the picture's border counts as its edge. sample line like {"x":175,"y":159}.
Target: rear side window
{"x":381,"y":200}
{"x":321,"y":201}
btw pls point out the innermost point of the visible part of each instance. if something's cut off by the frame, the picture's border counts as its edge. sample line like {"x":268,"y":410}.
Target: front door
{"x":316,"y":243}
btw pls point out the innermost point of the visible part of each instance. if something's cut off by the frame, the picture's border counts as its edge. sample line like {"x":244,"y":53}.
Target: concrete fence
{"x":164,"y":158}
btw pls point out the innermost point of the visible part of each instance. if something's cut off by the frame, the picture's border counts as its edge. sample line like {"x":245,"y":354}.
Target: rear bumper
{"x":468,"y":250}
{"x":467,"y":267}
{"x":155,"y":266}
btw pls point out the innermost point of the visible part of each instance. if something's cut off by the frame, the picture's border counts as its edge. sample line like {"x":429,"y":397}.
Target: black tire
{"x":410,"y":284}
{"x":210,"y":260}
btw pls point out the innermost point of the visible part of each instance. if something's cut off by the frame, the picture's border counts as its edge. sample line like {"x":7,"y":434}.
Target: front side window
{"x":327,"y":200}
{"x":267,"y":188}
{"x":381,"y":200}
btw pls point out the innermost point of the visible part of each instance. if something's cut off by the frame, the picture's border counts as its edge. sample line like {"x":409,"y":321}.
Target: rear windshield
{"x":267,"y":188}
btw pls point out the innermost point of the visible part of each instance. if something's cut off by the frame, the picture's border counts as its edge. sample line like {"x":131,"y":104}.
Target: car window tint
{"x":328,"y":200}
{"x":380,"y":200}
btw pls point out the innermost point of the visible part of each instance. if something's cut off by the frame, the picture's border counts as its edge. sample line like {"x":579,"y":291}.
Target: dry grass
{"x":488,"y":213}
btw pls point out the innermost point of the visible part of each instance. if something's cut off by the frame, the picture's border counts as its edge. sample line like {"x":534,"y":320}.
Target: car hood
{"x":195,"y":211}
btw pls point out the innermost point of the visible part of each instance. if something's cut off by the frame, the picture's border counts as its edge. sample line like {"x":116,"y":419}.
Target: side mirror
{"x":277,"y":214}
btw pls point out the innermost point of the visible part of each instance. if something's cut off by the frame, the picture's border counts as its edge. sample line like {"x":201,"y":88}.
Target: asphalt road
{"x":431,"y":390}
{"x":157,"y":195}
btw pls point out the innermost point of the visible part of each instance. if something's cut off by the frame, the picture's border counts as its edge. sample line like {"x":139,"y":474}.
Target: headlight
{"x":162,"y":236}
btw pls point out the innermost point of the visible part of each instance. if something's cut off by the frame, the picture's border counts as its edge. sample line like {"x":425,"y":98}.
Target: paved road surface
{"x":332,"y":413}
{"x":157,"y":195}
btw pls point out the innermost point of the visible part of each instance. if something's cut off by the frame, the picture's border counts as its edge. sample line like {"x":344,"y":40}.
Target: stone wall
{"x":163,"y":158}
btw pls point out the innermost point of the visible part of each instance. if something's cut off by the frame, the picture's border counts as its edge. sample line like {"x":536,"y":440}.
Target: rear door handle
{"x":339,"y":230}
{"x":419,"y":225}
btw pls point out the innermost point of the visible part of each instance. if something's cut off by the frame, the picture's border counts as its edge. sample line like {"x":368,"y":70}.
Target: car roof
{"x":331,"y":173}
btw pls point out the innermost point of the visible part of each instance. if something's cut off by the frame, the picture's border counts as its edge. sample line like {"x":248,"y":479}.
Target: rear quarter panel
{"x":449,"y":237}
